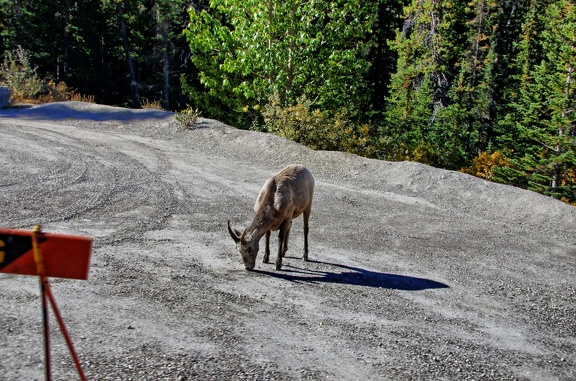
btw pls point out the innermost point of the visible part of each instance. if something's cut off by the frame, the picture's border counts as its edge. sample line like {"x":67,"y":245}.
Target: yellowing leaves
{"x":483,"y":164}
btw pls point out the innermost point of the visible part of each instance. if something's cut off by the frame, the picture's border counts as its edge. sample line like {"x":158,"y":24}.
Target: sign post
{"x":44,"y":255}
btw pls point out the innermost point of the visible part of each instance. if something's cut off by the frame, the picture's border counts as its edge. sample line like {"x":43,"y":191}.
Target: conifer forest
{"x":481,"y":86}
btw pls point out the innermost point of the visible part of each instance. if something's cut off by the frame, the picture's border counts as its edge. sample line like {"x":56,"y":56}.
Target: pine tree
{"x":546,"y":108}
{"x":470,"y":112}
{"x":420,"y":85}
{"x":36,"y":26}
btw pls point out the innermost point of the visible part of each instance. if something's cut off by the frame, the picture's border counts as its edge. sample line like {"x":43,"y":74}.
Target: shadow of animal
{"x":343,"y":274}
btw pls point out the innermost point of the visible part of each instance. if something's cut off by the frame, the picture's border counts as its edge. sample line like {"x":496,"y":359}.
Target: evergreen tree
{"x":389,"y":19}
{"x":518,"y":55}
{"x":470,"y":111}
{"x":420,"y":84}
{"x":547,"y":117}
{"x":89,"y":66}
{"x":445,"y":80}
{"x":36,"y":26}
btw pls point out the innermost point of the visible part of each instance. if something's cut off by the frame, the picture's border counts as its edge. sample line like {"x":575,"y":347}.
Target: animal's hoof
{"x":278,"y":268}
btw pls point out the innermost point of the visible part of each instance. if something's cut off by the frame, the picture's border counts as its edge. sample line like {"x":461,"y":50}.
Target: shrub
{"x":26,"y":86}
{"x":18,"y":74}
{"x":187,"y":118}
{"x":323,"y":130}
{"x":484,"y":164}
{"x":54,"y":92}
{"x":151,"y":105}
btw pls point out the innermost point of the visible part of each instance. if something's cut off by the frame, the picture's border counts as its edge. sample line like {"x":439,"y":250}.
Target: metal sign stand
{"x":48,"y":297}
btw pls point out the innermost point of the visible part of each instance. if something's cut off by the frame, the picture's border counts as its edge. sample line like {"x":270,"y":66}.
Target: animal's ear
{"x":234,"y":234}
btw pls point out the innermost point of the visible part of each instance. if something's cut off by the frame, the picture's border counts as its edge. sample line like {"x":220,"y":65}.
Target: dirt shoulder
{"x":415,"y":272}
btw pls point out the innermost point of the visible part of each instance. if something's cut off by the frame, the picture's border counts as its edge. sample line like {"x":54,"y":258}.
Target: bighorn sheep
{"x":284,"y":196}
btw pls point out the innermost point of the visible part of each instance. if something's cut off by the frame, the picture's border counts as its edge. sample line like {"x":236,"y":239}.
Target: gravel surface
{"x":416,"y":273}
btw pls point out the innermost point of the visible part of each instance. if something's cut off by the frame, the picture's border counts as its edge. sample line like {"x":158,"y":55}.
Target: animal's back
{"x":291,"y":188}
{"x":294,"y":187}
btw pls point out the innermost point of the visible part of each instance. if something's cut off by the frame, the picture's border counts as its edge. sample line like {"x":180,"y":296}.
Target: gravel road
{"x":416,"y":273}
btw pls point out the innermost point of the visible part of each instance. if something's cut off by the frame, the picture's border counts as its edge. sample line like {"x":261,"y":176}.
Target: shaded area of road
{"x":79,"y":111}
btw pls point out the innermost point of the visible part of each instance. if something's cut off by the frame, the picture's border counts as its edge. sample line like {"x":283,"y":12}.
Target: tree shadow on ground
{"x":353,"y":276}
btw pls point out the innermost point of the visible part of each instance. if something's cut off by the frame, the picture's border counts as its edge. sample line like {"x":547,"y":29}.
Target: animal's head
{"x":247,"y":249}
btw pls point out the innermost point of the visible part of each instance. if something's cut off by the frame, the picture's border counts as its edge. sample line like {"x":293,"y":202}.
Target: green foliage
{"x":187,"y":118}
{"x":334,"y":131}
{"x":545,"y":121}
{"x":419,"y":86}
{"x":214,"y":51}
{"x":245,"y":51}
{"x":440,"y":82}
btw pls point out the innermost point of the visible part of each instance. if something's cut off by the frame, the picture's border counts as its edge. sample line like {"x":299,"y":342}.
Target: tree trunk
{"x":163,"y":31}
{"x":166,"y":74}
{"x":271,"y":74}
{"x":64,"y":54}
{"x":133,"y":83}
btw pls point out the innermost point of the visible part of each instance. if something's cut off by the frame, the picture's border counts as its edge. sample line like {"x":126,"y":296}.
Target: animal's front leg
{"x":267,"y":251}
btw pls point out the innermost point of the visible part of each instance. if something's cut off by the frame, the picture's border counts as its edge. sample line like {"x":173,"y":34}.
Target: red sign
{"x":64,"y":256}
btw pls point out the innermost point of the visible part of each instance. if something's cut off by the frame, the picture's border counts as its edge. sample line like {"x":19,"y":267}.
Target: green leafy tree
{"x":336,"y":41}
{"x":245,"y":51}
{"x":223,"y":89}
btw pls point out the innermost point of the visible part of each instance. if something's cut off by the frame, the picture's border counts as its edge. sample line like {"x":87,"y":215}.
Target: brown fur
{"x":284,"y":196}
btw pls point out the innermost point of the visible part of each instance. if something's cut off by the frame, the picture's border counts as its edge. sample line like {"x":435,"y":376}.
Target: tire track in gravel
{"x":120,"y":180}
{"x":416,"y":273}
{"x":59,"y":167}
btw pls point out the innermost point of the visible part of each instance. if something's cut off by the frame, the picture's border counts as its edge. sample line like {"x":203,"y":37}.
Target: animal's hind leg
{"x":306,"y":216}
{"x":267,"y":251}
{"x":283,"y":232}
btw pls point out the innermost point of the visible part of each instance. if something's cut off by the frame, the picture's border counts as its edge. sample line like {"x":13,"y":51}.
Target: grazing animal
{"x":284,"y":196}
